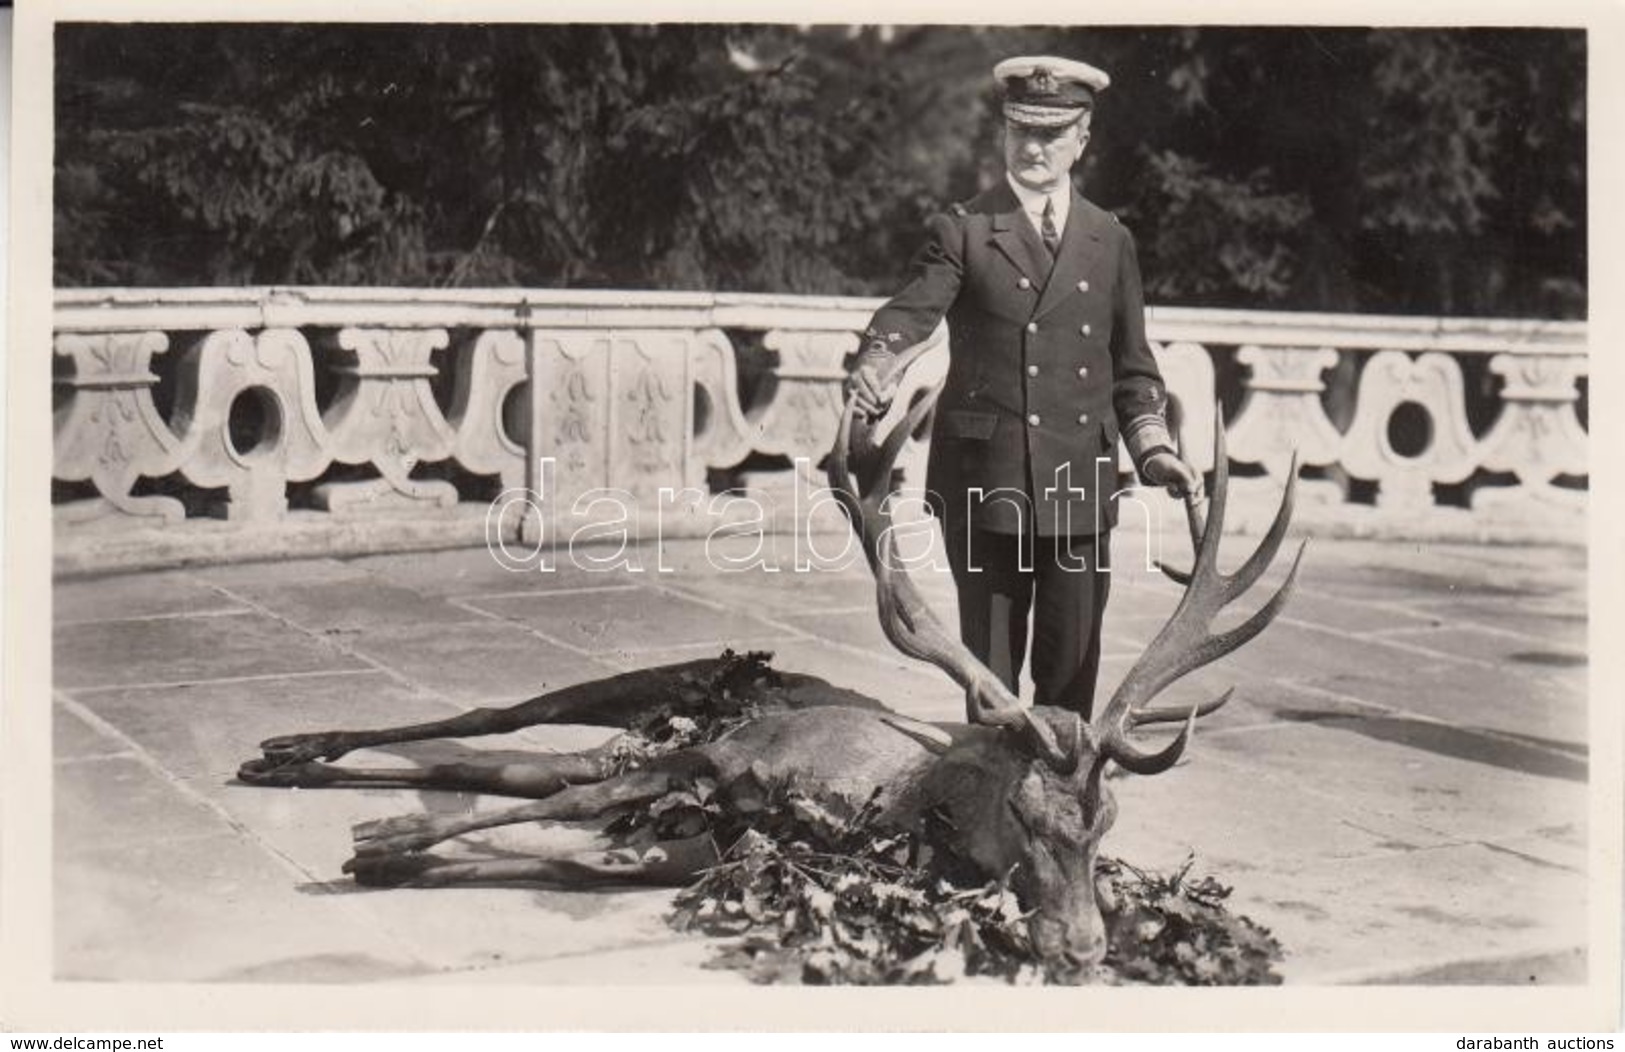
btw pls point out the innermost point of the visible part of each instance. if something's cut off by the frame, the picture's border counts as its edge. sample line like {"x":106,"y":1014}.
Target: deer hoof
{"x":390,"y":836}
{"x":388,"y":871}
{"x":302,"y":748}
{"x":279,"y":774}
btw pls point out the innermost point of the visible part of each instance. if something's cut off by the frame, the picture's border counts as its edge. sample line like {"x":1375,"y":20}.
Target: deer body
{"x":996,"y":803}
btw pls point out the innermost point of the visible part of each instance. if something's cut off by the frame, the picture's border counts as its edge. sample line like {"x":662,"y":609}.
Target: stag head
{"x":1026,"y":794}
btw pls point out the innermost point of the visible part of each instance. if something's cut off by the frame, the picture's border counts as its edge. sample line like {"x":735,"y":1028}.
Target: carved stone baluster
{"x":109,"y":431}
{"x":1283,"y":412}
{"x":385,"y":414}
{"x":616,"y":410}
{"x":1433,"y":383}
{"x":651,"y":433}
{"x":1537,"y":437}
{"x":487,"y":371}
{"x":721,"y":434}
{"x":275,"y":368}
{"x":801,"y":419}
{"x":571,"y":413}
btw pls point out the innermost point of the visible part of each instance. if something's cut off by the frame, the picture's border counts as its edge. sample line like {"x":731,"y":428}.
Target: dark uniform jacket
{"x":1045,"y":363}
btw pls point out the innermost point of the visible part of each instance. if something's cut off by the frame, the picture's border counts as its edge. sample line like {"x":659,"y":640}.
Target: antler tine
{"x":864,"y":499}
{"x":1244,"y":578}
{"x":1186,"y":641}
{"x":855,"y":437}
{"x":1251,"y":570}
{"x":1207,"y":553}
{"x":909,"y":623}
{"x":1146,"y":717}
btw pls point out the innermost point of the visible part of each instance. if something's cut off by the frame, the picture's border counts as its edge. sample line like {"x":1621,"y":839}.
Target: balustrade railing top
{"x":240,"y":422}
{"x":121,"y":310}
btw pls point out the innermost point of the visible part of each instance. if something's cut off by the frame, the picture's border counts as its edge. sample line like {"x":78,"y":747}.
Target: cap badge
{"x":1042,"y":81}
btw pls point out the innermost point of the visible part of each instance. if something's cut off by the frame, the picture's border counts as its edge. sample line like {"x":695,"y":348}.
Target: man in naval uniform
{"x":1049,"y":365}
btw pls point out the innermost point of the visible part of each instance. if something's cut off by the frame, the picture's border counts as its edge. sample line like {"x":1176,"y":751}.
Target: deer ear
{"x":936,"y":739}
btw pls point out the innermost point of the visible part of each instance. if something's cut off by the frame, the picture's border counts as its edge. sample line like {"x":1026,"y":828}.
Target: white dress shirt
{"x":1032,"y":202}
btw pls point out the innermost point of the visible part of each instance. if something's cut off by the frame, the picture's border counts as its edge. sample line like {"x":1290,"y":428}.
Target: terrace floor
{"x":1399,"y":789}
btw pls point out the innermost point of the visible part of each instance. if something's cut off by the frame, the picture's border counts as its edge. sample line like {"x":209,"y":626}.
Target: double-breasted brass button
{"x":1024,"y":284}
{"x":1083,"y":418}
{"x":1032,"y":370}
{"x":1086,"y":330}
{"x":1083,"y":286}
{"x":1033,"y":420}
{"x":1083,"y":371}
{"x":1032,"y":326}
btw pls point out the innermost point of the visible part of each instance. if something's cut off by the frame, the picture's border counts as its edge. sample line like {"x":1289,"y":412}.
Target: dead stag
{"x":1022,"y":789}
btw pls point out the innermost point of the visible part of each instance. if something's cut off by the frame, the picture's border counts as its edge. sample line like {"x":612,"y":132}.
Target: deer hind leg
{"x":666,"y":863}
{"x":406,"y":834}
{"x":626,"y":701}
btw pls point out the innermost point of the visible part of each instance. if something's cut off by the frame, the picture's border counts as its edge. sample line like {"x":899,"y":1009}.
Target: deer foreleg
{"x":417,"y":832}
{"x":669,"y":862}
{"x":542,"y":775}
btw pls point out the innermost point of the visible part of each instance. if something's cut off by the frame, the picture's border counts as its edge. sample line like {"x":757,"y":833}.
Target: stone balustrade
{"x":207,"y":424}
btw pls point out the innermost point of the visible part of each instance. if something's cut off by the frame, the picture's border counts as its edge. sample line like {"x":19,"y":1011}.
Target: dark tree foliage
{"x":1409,"y":171}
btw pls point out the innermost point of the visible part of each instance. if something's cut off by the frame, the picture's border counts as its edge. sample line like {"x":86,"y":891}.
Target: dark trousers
{"x":1063,"y":588}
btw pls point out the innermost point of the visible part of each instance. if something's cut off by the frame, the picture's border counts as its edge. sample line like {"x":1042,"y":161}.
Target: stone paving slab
{"x":1388,"y":673}
{"x":1360,"y":617}
{"x":1559,"y":619}
{"x":268,"y":572}
{"x":780,"y":595}
{"x":119,"y":802}
{"x":480,"y":662}
{"x":213,"y":908}
{"x":476,"y":928}
{"x":1241,"y":820}
{"x":351,"y":606}
{"x":1562,"y":846}
{"x":1497,"y":646}
{"x":1533,"y":708}
{"x":1393,"y":789}
{"x":1406,"y":777}
{"x":859,"y":631}
{"x":1466,"y":901}
{"x":74,"y":739}
{"x":647,"y":963}
{"x":475,"y":571}
{"x":157,"y":594}
{"x":1386,"y":583}
{"x":628,"y":620}
{"x":186,"y":650}
{"x":1567,"y":965}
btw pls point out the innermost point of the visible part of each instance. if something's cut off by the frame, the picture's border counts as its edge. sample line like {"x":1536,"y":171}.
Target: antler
{"x":861,"y":476}
{"x":1186,"y":642}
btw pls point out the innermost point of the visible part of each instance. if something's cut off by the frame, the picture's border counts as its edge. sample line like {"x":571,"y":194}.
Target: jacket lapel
{"x":1078,"y":246}
{"x":1014,"y":236}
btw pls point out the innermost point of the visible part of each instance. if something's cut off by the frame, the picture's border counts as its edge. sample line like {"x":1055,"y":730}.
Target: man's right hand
{"x":870,"y":390}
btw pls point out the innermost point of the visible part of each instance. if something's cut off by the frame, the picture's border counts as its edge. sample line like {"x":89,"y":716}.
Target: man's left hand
{"x":1169,"y":471}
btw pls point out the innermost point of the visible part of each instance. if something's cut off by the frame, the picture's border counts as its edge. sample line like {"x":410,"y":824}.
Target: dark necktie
{"x":1052,"y":237}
